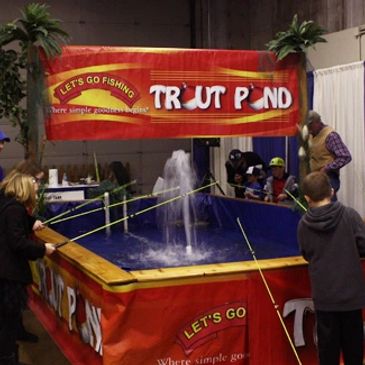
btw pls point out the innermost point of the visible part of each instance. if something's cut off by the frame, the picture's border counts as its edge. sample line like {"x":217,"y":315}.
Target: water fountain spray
{"x":165,"y":202}
{"x":178,"y":172}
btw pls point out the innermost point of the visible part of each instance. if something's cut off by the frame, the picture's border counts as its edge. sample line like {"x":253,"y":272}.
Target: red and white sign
{"x":220,"y":319}
{"x":122,"y":93}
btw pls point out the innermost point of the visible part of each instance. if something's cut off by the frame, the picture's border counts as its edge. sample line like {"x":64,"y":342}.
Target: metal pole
{"x":107,"y":213}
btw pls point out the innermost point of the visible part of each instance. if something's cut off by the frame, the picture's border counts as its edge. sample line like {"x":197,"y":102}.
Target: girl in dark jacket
{"x":17,"y":197}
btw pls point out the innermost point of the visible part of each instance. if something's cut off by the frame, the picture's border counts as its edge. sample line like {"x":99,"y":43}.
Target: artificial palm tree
{"x":35,"y":31}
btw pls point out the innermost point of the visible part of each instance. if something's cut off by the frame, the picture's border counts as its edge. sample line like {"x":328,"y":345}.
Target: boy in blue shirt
{"x":253,"y":187}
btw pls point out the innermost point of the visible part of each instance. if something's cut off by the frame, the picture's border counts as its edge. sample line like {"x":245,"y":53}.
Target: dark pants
{"x":340,"y":332}
{"x":239,"y":192}
{"x":334,"y":177}
{"x":8,"y":347}
{"x":12,"y":302}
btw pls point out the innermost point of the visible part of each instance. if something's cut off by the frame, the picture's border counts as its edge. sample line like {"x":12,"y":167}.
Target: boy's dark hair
{"x":317,"y":186}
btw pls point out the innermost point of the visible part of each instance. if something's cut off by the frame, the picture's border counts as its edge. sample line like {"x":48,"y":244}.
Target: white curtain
{"x":219,"y":156}
{"x":339,"y":98}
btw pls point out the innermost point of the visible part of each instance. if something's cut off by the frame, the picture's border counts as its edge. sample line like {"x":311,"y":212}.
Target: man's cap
{"x":4,"y":137}
{"x":235,"y":155}
{"x":312,"y":116}
{"x":252,"y":170}
{"x":277,"y":161}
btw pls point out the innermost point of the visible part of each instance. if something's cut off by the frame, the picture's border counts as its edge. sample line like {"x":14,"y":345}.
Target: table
{"x":67,"y":193}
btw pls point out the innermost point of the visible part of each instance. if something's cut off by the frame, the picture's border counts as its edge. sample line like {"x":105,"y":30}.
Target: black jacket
{"x":332,"y":239}
{"x":240,"y":166}
{"x":16,"y":248}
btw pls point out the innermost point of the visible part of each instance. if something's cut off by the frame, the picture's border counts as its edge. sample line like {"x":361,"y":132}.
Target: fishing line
{"x":296,"y":200}
{"x":101,"y":196}
{"x":276,"y":306}
{"x":114,"y":205}
{"x":266,"y":193}
{"x":60,"y":244}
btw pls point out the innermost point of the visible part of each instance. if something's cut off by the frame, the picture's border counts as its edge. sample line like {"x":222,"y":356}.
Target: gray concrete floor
{"x":44,"y":352}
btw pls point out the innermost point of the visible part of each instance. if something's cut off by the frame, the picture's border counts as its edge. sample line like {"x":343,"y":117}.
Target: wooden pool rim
{"x":109,"y":274}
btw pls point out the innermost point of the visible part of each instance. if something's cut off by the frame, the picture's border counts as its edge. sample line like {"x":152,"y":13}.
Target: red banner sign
{"x":121,"y":93}
{"x":206,"y":326}
{"x":219,"y":320}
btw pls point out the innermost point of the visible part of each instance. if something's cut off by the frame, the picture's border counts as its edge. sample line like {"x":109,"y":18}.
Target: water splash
{"x":171,"y":257}
{"x":178,"y":172}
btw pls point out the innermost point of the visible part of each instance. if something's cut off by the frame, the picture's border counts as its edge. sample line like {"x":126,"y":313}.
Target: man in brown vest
{"x":327,"y":152}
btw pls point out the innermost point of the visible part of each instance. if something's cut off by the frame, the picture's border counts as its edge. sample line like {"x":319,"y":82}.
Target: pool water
{"x":271,"y":231}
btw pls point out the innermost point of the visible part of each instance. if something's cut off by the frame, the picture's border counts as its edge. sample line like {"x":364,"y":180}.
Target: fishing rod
{"x":114,"y":205}
{"x":267,"y":193}
{"x":276,"y":306}
{"x":211,"y":177}
{"x":99,"y":197}
{"x":246,"y":187}
{"x":96,"y":165}
{"x":60,"y":244}
{"x":296,"y":200}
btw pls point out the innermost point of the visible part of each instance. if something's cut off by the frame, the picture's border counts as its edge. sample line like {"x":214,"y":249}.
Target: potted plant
{"x":297,"y":38}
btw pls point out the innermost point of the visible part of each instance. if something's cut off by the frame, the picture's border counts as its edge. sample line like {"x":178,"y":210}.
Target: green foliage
{"x":13,"y":91}
{"x":296,"y":39}
{"x":34,"y":30}
{"x":40,"y":209}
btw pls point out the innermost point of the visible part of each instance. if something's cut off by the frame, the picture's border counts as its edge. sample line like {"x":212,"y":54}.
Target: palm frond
{"x":297,"y":38}
{"x":33,"y":28}
{"x":11,"y":32}
{"x":50,"y":46}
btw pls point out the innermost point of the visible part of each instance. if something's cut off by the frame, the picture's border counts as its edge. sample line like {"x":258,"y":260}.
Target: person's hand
{"x":282,"y":197}
{"x":38,"y":225}
{"x":251,"y":195}
{"x":323,"y":169}
{"x":50,"y":248}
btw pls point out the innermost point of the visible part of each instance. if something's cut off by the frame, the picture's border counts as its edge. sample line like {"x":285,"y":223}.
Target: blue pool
{"x":271,"y":230}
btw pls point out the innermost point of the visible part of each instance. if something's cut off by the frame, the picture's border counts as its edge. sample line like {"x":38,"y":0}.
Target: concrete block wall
{"x":267,"y":17}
